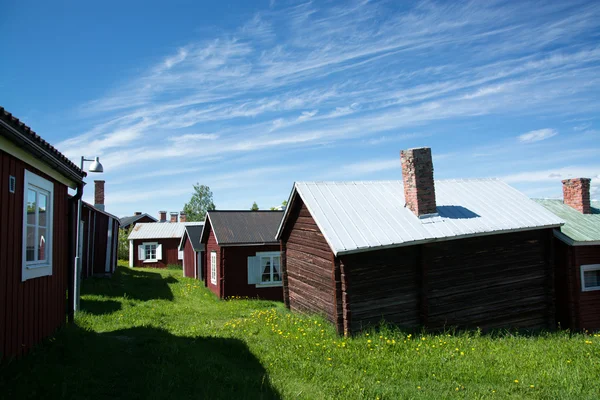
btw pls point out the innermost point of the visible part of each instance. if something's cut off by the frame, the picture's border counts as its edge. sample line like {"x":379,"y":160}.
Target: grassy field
{"x":149,"y":334}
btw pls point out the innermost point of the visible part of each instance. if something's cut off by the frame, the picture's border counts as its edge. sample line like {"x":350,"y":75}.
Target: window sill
{"x":591,"y":289}
{"x":150,"y":261}
{"x":269,"y":284}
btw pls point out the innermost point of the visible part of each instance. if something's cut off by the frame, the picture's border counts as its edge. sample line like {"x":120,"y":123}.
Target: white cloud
{"x":537,"y":135}
{"x":554,"y":175}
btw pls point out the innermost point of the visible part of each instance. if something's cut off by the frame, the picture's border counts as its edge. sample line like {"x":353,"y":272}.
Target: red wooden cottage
{"x":156,"y":244}
{"x":577,"y":256}
{"x":468,"y":253}
{"x":36,"y":251}
{"x":242,"y":256}
{"x":99,"y":234}
{"x":138,"y":216}
{"x":193,"y":252}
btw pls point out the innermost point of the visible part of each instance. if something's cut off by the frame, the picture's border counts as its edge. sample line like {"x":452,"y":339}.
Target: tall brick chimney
{"x":576,"y":194}
{"x":174,"y":216}
{"x":99,"y":195}
{"x":417,"y":174}
{"x":182,"y":216}
{"x":162,"y":216}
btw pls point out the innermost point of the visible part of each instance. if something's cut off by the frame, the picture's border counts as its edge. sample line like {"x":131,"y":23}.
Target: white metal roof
{"x":360,"y":216}
{"x":159,"y":230}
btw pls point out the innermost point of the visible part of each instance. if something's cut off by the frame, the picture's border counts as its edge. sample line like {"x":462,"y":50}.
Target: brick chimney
{"x":162,"y":216}
{"x":174,"y":216}
{"x":576,"y":194}
{"x":417,"y":174}
{"x":182,"y":217}
{"x":99,"y":195}
{"x":137,"y":213}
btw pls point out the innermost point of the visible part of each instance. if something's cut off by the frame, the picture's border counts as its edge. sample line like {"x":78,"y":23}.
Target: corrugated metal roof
{"x":159,"y":230}
{"x":578,"y":227}
{"x":245,"y":227}
{"x":360,"y":216}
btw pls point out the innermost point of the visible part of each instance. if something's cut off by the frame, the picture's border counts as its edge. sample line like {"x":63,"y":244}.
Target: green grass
{"x":150,"y":334}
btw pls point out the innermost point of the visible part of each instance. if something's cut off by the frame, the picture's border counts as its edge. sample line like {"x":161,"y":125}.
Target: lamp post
{"x":94,"y":167}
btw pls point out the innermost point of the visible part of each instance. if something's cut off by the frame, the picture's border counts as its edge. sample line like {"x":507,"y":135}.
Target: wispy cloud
{"x":537,"y":135}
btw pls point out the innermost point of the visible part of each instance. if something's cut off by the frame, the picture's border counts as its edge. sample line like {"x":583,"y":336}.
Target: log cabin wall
{"x":34,"y":309}
{"x":235,"y":267}
{"x":488,"y":282}
{"x":382,"y":285}
{"x":308,"y":266}
{"x":491,"y":281}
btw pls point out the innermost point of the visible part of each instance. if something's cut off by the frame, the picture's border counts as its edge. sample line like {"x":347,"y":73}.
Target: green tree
{"x":283,"y":203}
{"x":199,"y":204}
{"x":123,"y":250}
{"x":254,"y":207}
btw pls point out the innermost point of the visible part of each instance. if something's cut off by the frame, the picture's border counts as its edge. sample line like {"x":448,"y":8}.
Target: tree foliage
{"x":283,"y":203}
{"x":254,"y":207}
{"x":199,"y":204}
{"x":123,"y":250}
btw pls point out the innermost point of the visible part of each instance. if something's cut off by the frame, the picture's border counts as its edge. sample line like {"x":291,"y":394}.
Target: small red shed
{"x":242,"y":256}
{"x":36,"y":236}
{"x":193,"y":252}
{"x":156,"y":244}
{"x":467,"y":253}
{"x":577,"y":249}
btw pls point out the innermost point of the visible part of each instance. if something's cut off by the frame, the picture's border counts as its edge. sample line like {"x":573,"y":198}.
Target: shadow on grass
{"x":137,"y":363}
{"x":97,"y":307}
{"x":131,"y":283}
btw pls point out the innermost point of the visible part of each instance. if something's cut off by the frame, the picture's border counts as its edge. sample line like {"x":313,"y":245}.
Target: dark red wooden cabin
{"x":193,"y":252}
{"x":36,"y":251}
{"x":156,"y":245}
{"x":99,"y":241}
{"x":466,"y":253}
{"x":242,"y":256}
{"x":138,"y":216}
{"x":577,"y":245}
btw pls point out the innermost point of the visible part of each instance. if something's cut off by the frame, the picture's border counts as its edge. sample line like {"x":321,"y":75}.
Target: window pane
{"x":30,"y":250}
{"x":31,"y":207}
{"x":42,"y":250}
{"x":591,"y":278}
{"x":42,"y":207}
{"x":265,"y":267}
{"x":276,"y":268}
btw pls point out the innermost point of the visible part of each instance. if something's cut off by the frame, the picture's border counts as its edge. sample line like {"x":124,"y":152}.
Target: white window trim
{"x":584,"y":268}
{"x":271,"y":283}
{"x":36,"y":269}
{"x":213,"y":267}
{"x":153,"y":260}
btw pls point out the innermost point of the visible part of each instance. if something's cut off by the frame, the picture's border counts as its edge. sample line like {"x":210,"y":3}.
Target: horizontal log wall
{"x":170,"y":253}
{"x":309,"y":266}
{"x":491,"y":282}
{"x":382,"y":285}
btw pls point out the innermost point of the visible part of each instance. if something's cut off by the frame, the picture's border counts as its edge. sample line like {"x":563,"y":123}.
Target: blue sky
{"x":248,"y":97}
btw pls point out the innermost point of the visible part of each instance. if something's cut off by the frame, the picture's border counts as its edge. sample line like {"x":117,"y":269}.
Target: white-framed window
{"x":264,"y":269}
{"x":213,"y":267}
{"x":590,"y":277}
{"x":38,"y":196}
{"x":150,"y":252}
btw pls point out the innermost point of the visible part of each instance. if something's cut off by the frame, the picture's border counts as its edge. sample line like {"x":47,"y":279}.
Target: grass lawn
{"x":151,"y":334}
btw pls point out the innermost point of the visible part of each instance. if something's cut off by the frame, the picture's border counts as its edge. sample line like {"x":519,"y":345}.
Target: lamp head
{"x":96,"y":166}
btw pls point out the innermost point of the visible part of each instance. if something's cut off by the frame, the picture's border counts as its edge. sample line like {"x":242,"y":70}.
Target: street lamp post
{"x":94,"y":167}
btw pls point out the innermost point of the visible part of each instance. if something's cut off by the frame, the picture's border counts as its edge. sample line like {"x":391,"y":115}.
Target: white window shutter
{"x":141,"y":252}
{"x":180,"y":255}
{"x":253,"y":270}
{"x":159,"y":252}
